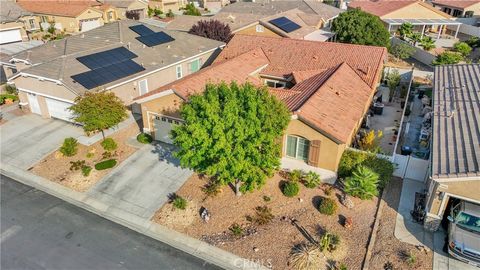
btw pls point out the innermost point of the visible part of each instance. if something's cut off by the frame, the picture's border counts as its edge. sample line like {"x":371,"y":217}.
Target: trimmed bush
{"x":179,"y":203}
{"x":328,"y":206}
{"x":290,"y":189}
{"x":349,"y":161}
{"x":86,"y":170}
{"x":382,"y":167}
{"x":295,"y":175}
{"x":107,"y":164}
{"x":144,"y":138}
{"x":362,"y":184}
{"x":311,"y":180}
{"x":306,"y":256}
{"x":109,"y":144}
{"x":69,"y":147}
{"x":236,"y":229}
{"x":263,"y":215}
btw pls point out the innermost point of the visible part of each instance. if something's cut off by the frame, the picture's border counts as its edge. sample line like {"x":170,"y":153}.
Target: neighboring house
{"x":423,"y":16}
{"x":305,"y":18}
{"x":455,"y":157}
{"x":109,"y":13}
{"x":115,"y":57}
{"x":8,"y":68}
{"x":70,"y":17}
{"x":213,"y":5}
{"x":464,"y":9}
{"x":16,"y":23}
{"x":129,"y":9}
{"x":167,"y":5}
{"x":328,"y":88}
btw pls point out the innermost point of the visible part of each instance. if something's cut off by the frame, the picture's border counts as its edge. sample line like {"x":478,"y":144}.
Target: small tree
{"x":402,"y":51}
{"x":427,"y":43}
{"x":212,"y":29}
{"x":393,"y":80}
{"x":231,"y":132}
{"x":448,"y":58}
{"x":98,"y":111}
{"x":405,"y":30}
{"x":362,"y":184}
{"x":191,"y":10}
{"x":463,"y":48}
{"x":371,"y":140}
{"x":358,"y":27}
{"x":416,"y":37}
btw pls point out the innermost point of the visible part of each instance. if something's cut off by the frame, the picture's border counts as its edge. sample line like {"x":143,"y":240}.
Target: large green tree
{"x":98,"y":111}
{"x":232,"y":132}
{"x":358,"y":27}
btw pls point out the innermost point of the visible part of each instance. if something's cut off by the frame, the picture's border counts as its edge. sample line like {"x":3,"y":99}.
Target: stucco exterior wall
{"x":462,"y":189}
{"x":330,"y":152}
{"x":26,"y":23}
{"x":166,"y":5}
{"x":253,"y":31}
{"x":133,"y":6}
{"x":72,"y":24}
{"x":415,"y":11}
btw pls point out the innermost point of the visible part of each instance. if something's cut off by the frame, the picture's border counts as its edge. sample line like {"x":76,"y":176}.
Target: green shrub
{"x":448,"y":58}
{"x":179,"y":203}
{"x":76,"y":165}
{"x":295,"y":175}
{"x":327,"y":206}
{"x":109,"y":144}
{"x":7,"y":96}
{"x":144,"y":138}
{"x":311,"y":180}
{"x":236,"y":230}
{"x":349,"y":161}
{"x":69,"y":147}
{"x":107,"y":164}
{"x":11,"y":89}
{"x":290,"y":189}
{"x":328,"y":190}
{"x":263,"y":215}
{"x":362,"y":184}
{"x":86,"y":170}
{"x":383,"y":167}
{"x":266,"y":198}
{"x":212,"y":188}
{"x":463,"y":48}
{"x":329,"y":242}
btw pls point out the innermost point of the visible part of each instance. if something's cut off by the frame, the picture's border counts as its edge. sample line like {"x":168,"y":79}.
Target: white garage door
{"x":163,"y":126}
{"x":9,"y":36}
{"x":89,"y":25}
{"x":59,"y":109}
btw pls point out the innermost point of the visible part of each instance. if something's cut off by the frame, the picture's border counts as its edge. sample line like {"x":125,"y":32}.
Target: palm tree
{"x":405,"y":30}
{"x":362,"y":184}
{"x":416,"y":37}
{"x":427,"y":43}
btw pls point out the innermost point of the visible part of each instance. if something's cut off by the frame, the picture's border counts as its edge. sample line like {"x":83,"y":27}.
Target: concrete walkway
{"x":141,"y":184}
{"x":145,"y":226}
{"x":89,"y":140}
{"x":326,"y":176}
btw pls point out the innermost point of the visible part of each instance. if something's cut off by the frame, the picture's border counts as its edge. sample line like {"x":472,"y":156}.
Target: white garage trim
{"x":90,"y":24}
{"x":10,"y":36}
{"x":59,"y":109}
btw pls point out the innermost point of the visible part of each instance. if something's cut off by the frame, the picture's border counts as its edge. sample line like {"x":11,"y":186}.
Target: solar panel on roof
{"x":155,"y":39}
{"x":285,"y":24}
{"x":106,"y":74}
{"x":142,"y":30}
{"x":105,"y":58}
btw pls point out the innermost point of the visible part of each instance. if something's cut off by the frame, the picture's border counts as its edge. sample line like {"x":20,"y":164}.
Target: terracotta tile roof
{"x":238,"y":69}
{"x":379,"y":8}
{"x":299,"y":76}
{"x":455,"y":3}
{"x":287,"y":55}
{"x":59,"y":8}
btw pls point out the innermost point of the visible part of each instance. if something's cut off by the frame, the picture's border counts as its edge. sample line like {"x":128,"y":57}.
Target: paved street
{"x":39,"y":231}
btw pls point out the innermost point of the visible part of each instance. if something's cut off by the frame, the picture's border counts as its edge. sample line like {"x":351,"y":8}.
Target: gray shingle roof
{"x":57,"y":59}
{"x":456,"y":122}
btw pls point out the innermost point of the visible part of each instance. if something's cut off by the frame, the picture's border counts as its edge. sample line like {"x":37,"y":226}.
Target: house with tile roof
{"x":328,"y":88}
{"x":459,"y":8}
{"x":455,"y":154}
{"x":125,"y":57}
{"x":129,"y":9}
{"x":310,"y":19}
{"x":425,"y":18}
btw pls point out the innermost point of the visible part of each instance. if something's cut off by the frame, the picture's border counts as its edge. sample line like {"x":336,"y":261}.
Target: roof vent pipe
{"x":128,"y":45}
{"x":83,"y":35}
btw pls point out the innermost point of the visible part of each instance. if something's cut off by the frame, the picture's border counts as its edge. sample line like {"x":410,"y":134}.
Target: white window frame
{"x":179,"y":71}
{"x":32,"y":25}
{"x":276,"y":83}
{"x":259,"y":28}
{"x":139,"y":88}
{"x":296,"y":147}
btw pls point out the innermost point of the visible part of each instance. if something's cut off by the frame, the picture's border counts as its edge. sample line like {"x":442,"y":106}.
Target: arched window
{"x":297,"y":147}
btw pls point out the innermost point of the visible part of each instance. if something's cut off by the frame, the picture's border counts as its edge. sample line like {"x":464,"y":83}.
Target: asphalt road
{"x":39,"y":231}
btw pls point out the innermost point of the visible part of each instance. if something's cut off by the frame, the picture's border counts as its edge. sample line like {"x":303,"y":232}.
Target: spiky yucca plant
{"x":306,"y":257}
{"x":362,"y":184}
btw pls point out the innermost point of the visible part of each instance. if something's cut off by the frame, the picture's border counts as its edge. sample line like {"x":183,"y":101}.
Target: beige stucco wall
{"x":105,"y":15}
{"x":15,"y":25}
{"x":415,"y":11}
{"x":466,"y":189}
{"x":72,"y":24}
{"x":252,"y":31}
{"x":330,"y":151}
{"x":167,"y":105}
{"x":133,"y":6}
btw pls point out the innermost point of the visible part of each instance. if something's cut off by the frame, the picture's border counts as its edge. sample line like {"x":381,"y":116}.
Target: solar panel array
{"x":155,"y":39}
{"x":107,"y":66}
{"x":142,"y":30}
{"x":285,"y":24}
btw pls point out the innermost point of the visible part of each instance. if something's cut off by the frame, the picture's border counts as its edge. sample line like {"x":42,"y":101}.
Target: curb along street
{"x":158,"y":232}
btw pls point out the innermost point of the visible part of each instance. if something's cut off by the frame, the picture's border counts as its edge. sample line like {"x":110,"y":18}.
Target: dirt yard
{"x":74,"y":179}
{"x":388,"y":248}
{"x":270,"y":244}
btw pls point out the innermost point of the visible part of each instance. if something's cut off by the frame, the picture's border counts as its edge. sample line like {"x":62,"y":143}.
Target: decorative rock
{"x":346,"y":201}
{"x":205,"y":215}
{"x":255,"y":249}
{"x":300,"y":200}
{"x":348,"y":223}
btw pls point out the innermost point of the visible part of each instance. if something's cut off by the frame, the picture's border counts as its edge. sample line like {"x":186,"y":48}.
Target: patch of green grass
{"x":107,"y":164}
{"x":86,"y":170}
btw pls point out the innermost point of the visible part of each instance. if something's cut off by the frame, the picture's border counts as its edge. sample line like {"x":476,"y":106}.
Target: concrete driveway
{"x":26,"y":139}
{"x":141,"y":184}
